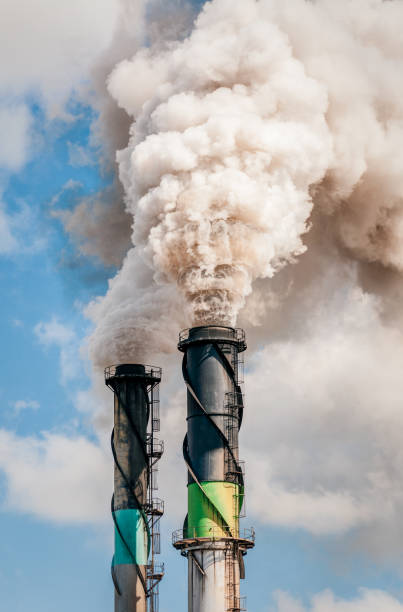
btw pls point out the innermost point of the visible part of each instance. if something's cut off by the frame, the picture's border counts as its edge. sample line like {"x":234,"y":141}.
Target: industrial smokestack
{"x":135,"y":510}
{"x":211,"y":538}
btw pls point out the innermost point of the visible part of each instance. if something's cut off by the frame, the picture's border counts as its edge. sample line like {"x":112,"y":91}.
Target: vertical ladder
{"x":155,"y":506}
{"x":231,"y":581}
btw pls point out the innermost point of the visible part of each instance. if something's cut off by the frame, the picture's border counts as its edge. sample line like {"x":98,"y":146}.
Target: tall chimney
{"x":211,"y":538}
{"x":135,"y":510}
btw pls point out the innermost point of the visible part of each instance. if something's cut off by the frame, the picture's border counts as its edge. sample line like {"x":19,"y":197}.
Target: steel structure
{"x":135,"y":509}
{"x":211,"y":538}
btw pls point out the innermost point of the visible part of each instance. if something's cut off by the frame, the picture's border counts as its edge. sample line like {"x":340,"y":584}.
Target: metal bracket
{"x":197,"y":564}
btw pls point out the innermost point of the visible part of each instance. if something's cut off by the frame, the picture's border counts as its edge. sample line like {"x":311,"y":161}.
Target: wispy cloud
{"x":368,"y":600}
{"x":15,"y":142}
{"x":69,"y":186}
{"x":79,"y":156}
{"x":17,"y":230}
{"x":55,"y":333}
{"x":21,"y":405}
{"x":51,"y":54}
{"x":60,"y":478}
{"x":8,"y":243}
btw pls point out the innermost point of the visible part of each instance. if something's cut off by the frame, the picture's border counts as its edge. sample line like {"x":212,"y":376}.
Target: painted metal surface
{"x":211,"y":538}
{"x":134,"y":512}
{"x":135,"y":535}
{"x":207,"y":588}
{"x":213,"y":385}
{"x":130,"y":429}
{"x":132,"y":597}
{"x":203,"y":521}
{"x":131,"y":413}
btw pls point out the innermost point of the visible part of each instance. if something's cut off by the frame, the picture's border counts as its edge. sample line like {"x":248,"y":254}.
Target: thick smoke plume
{"x":266,"y":110}
{"x":222,"y":154}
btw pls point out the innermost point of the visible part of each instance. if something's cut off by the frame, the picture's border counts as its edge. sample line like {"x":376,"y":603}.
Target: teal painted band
{"x":134,"y":531}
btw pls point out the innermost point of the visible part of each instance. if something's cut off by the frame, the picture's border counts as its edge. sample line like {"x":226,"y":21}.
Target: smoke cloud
{"x":103,"y":210}
{"x":137,"y":319}
{"x":247,"y":124}
{"x":324,"y":405}
{"x":216,"y":174}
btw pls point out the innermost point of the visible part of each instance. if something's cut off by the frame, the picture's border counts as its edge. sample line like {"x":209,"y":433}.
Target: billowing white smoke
{"x":355,"y":49}
{"x":266,"y":108}
{"x":230,"y":133}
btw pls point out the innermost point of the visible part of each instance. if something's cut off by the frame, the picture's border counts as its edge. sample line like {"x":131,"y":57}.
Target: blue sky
{"x":56,"y":548}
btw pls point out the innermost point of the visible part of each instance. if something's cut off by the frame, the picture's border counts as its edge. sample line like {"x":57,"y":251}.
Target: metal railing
{"x":232,"y":402}
{"x":239,"y":605}
{"x":158,"y":569}
{"x":210,"y":333}
{"x":155,"y":447}
{"x":149,"y":372}
{"x":156,"y":506}
{"x":215,"y":533}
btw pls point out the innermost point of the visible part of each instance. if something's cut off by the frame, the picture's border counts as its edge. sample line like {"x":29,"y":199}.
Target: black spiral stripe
{"x":230,"y":370}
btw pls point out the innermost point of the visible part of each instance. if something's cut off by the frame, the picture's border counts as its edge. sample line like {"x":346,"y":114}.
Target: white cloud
{"x":79,"y":156}
{"x":69,"y":186}
{"x":18,"y":231}
{"x":21,"y":405}
{"x":54,"y":333}
{"x":322,"y":425}
{"x":15,"y":142}
{"x":8,"y":243}
{"x":63,"y":479}
{"x":46,"y":47}
{"x":367,"y":601}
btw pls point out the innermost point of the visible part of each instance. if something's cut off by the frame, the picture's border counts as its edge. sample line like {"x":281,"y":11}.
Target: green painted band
{"x":205,"y":508}
{"x":134,"y":531}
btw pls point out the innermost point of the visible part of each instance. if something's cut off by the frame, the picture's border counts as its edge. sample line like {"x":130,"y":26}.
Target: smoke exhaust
{"x":136,"y":511}
{"x":211,"y":537}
